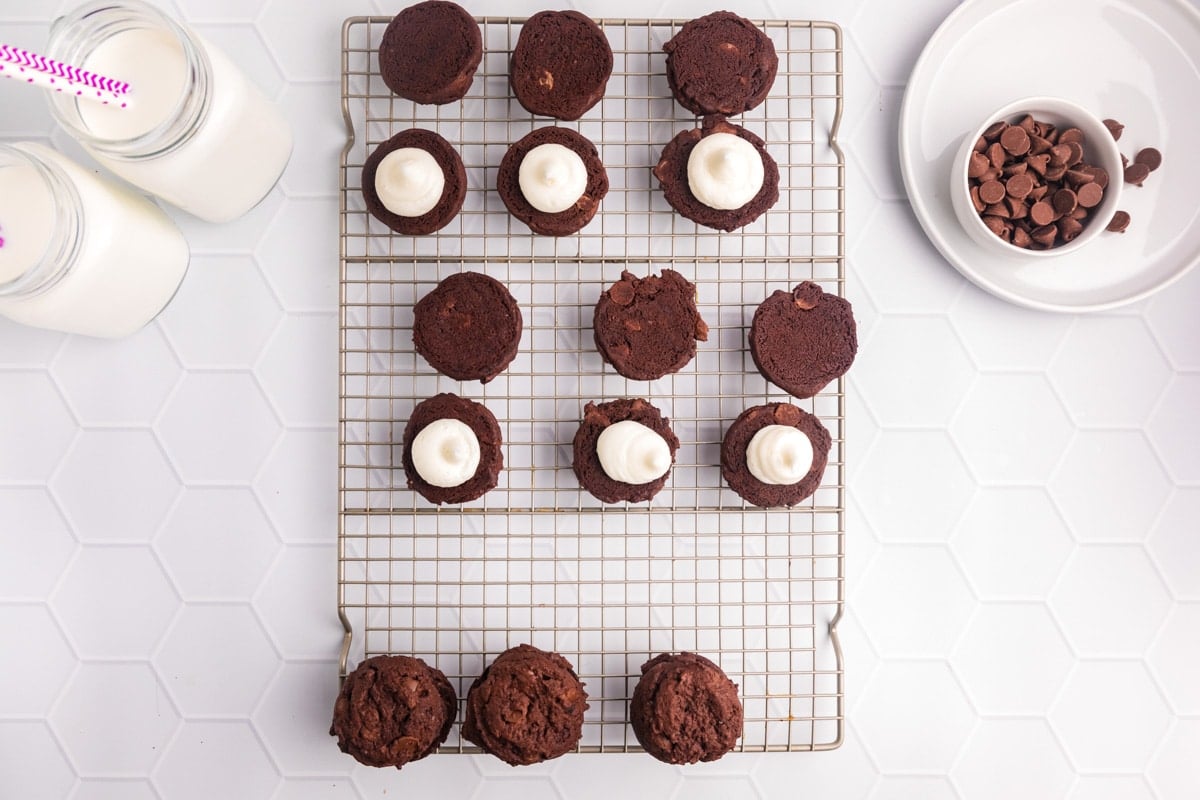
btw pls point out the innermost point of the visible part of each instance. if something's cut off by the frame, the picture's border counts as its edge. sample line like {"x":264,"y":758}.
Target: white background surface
{"x":1023,"y":522}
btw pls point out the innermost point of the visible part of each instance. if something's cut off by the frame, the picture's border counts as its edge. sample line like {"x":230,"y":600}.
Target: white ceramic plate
{"x":1136,"y":62}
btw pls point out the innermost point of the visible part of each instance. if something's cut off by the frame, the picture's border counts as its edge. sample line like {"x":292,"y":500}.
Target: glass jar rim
{"x":62,"y":250}
{"x":77,"y":33}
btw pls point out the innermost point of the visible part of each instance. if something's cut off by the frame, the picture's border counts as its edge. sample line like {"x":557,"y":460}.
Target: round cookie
{"x":453,"y":194}
{"x":429,"y":52}
{"x":561,"y":223}
{"x":526,"y":707}
{"x":586,"y":462}
{"x":482,"y":423}
{"x":648,"y":327}
{"x":803,"y":339}
{"x":468,"y":328}
{"x":392,"y":710}
{"x":733,"y":455}
{"x":561,"y":64}
{"x":720,"y":64}
{"x":672,"y":174}
{"x":685,"y":709}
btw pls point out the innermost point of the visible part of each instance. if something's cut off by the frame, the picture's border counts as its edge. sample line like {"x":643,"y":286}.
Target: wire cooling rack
{"x":537,"y":559}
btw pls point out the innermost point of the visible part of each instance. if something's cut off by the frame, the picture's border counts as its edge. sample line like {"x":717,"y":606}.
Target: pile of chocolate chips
{"x":1030,"y":183}
{"x":1146,"y":161}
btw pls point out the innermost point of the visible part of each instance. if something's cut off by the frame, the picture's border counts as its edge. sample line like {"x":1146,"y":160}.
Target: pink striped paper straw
{"x":27,"y":67}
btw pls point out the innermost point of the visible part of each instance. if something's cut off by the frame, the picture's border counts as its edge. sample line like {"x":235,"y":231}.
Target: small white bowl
{"x":1101,"y":151}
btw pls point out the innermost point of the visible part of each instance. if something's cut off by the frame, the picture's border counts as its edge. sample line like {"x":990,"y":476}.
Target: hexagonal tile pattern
{"x":1012,"y":659}
{"x":304,"y":53}
{"x":1110,"y":716}
{"x":211,"y":523}
{"x":36,"y":658}
{"x":114,"y":583}
{"x":30,"y":514}
{"x":1110,"y":486}
{"x":31,"y":763}
{"x":237,"y":238}
{"x":28,"y":348}
{"x":1008,"y":758}
{"x":427,"y":778}
{"x":1003,"y":336}
{"x":913,"y":601}
{"x":904,"y":504}
{"x":716,"y":787}
{"x":116,"y":486}
{"x":215,"y":759}
{"x":1109,"y":371}
{"x":1111,"y":787}
{"x":313,"y":170}
{"x":294,"y":602}
{"x":218,"y":428}
{"x":294,"y":486}
{"x":1175,"y":771}
{"x":231,"y":289}
{"x":114,"y":719}
{"x":1177,"y":412}
{"x":905,"y":787}
{"x":1173,"y":544}
{"x":930,"y":386}
{"x":114,"y":790}
{"x":928,"y":288}
{"x":1022,"y":444}
{"x":846,"y":773}
{"x":891,"y":57}
{"x":35,"y":425}
{"x":117,"y":383}
{"x":908,"y":696}
{"x":242,"y":43}
{"x":1172,"y":317}
{"x":330,"y":788}
{"x":216,"y":661}
{"x":1175,"y":658}
{"x":299,"y":370}
{"x":1012,"y":543}
{"x":298,"y":251}
{"x":1110,"y":601}
{"x":293,"y":719}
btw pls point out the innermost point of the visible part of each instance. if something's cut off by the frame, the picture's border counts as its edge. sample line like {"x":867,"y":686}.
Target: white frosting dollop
{"x":725,"y":171}
{"x":779,"y":455}
{"x":552,"y":177}
{"x":445,"y":453}
{"x":409,"y":181}
{"x":630,"y":452}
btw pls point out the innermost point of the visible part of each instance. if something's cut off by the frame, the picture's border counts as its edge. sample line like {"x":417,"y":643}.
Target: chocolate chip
{"x":1064,"y":202}
{"x":1042,"y":213}
{"x":1071,"y":135}
{"x":993,"y":131}
{"x":1019,"y":186}
{"x":1038,"y":144}
{"x":1021,"y":238}
{"x":1027,"y":123}
{"x":1115,"y":128}
{"x":1038,"y":163}
{"x":1099,"y":176}
{"x":1076,"y":153}
{"x":1136,"y":174}
{"x":992,"y":192}
{"x":1069,"y":228}
{"x":975,"y":201}
{"x":1017,"y":209}
{"x":1059,"y":155}
{"x":1090,"y":195}
{"x":977,"y":165}
{"x":1120,"y":222}
{"x":1150,"y":157}
{"x":998,"y":210}
{"x":1015,"y":140}
{"x":997,"y":155}
{"x":997,"y":226}
{"x":1045,"y":235}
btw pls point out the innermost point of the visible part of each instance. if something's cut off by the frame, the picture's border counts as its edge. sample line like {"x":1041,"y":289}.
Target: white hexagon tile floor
{"x":1023,"y":555}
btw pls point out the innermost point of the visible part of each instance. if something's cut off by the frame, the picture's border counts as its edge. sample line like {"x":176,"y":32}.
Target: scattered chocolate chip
{"x":1150,"y":157}
{"x":1137,"y":174}
{"x":1120,"y":222}
{"x":1115,"y":128}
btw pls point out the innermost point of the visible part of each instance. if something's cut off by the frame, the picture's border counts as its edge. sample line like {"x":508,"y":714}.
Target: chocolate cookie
{"x":586,"y":462}
{"x":559,"y":223}
{"x":392,"y":710}
{"x":453,"y":194}
{"x":737,"y":439}
{"x":526,"y":707}
{"x":561,"y":64}
{"x":672,"y":174}
{"x":720,"y":64}
{"x":430,"y":51}
{"x":685,"y":709}
{"x":648,"y":327}
{"x":481,"y":422}
{"x":468,"y":327}
{"x":803,"y":339}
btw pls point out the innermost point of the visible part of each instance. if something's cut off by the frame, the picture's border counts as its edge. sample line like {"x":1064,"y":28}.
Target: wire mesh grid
{"x":537,"y":559}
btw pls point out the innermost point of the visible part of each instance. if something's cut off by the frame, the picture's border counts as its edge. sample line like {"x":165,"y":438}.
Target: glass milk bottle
{"x":196,"y":132}
{"x":78,"y":253}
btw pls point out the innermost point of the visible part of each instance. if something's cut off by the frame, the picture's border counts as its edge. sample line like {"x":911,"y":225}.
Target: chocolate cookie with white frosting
{"x":553,"y":180}
{"x":414,"y":182}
